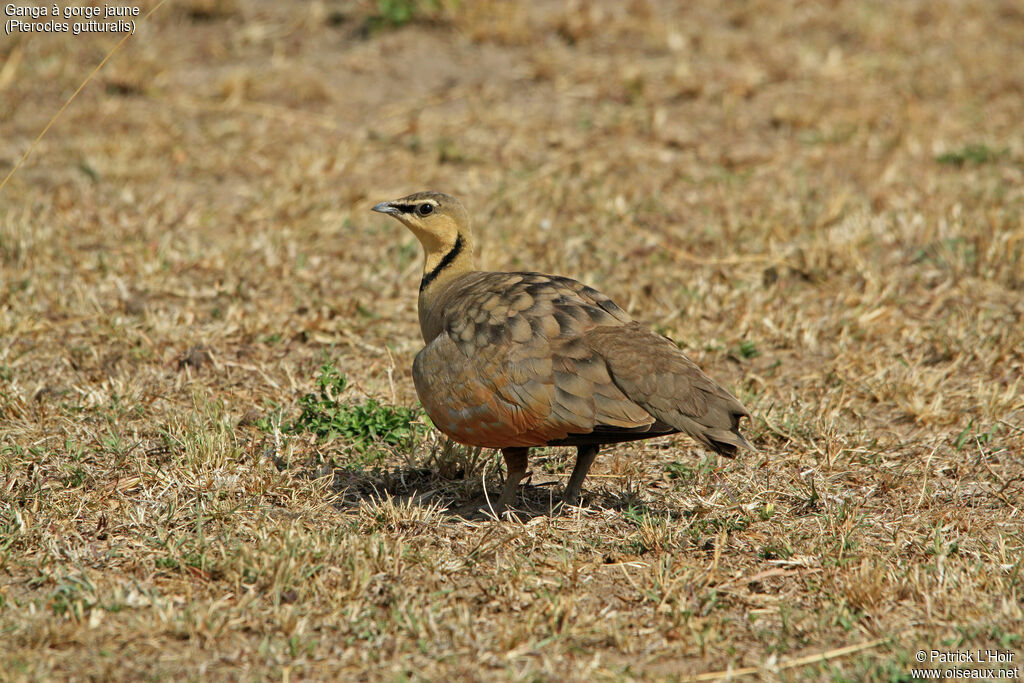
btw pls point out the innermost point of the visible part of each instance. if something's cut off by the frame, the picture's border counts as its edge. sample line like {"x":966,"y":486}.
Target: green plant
{"x":747,"y":349}
{"x":677,"y":470}
{"x":970,"y":435}
{"x":362,"y":425}
{"x":397,"y":13}
{"x":75,"y":595}
{"x":688,"y":473}
{"x":976,"y":154}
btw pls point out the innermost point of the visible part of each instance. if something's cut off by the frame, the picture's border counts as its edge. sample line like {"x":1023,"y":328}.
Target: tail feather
{"x":724,"y":441}
{"x":728,"y":442}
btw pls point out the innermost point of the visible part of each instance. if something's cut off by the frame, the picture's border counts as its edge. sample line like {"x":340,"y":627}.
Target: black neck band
{"x":445,"y":262}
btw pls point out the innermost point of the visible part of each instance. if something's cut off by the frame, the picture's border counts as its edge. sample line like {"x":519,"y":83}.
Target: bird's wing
{"x":512,"y":367}
{"x":652,"y":371}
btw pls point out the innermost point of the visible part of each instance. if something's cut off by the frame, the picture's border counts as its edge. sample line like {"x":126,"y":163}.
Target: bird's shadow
{"x":474,"y":498}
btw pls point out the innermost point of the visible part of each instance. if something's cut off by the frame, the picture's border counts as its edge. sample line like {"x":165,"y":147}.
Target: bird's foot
{"x":563,"y":506}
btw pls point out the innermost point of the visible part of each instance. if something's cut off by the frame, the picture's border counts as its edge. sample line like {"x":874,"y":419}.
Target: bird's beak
{"x":386,"y":207}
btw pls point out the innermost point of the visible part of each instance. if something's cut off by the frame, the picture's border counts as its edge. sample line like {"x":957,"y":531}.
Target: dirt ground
{"x":822,"y":204}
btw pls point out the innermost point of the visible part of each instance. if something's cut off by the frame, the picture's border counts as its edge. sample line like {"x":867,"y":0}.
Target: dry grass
{"x":822,"y":204}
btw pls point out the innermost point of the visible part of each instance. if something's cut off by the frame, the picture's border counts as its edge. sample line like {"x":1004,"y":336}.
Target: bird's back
{"x":527,"y":359}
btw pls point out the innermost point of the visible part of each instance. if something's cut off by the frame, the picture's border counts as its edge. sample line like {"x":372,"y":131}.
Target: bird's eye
{"x":425,"y":209}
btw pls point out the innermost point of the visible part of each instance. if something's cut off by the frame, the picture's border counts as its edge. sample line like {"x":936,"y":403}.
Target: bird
{"x":515,"y":360}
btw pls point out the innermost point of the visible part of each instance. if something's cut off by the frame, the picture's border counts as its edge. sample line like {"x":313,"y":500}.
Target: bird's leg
{"x":584,"y":459}
{"x":515,"y":464}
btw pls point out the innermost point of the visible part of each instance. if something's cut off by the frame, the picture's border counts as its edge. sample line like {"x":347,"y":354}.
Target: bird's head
{"x":437,"y":219}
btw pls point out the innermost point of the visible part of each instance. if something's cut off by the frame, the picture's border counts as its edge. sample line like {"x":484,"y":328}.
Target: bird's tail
{"x":657,"y":376}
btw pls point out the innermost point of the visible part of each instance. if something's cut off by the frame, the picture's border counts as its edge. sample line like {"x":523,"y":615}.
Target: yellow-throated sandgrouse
{"x":514,"y":360}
